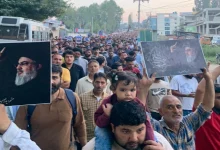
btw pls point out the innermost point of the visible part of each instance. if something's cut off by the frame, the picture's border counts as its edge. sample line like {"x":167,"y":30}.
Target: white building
{"x":166,"y":24}
{"x":207,"y":22}
{"x":187,"y":18}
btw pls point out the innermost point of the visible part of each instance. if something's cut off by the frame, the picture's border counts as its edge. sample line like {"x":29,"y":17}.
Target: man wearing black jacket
{"x":76,"y":71}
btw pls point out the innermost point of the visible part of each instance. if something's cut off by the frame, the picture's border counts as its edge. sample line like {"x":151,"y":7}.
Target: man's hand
{"x":4,"y":120}
{"x":107,"y":109}
{"x":152,"y":145}
{"x":209,"y":96}
{"x":206,"y":74}
{"x":146,"y":82}
{"x":173,"y":47}
{"x":144,"y":85}
{"x":191,"y":95}
{"x":208,"y":66}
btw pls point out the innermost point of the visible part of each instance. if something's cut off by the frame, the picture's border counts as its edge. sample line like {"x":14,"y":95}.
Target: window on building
{"x":167,"y":28}
{"x":167,"y":32}
{"x":167,"y":24}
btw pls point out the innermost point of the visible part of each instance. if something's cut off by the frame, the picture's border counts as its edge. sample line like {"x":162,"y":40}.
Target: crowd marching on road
{"x":102,"y":99}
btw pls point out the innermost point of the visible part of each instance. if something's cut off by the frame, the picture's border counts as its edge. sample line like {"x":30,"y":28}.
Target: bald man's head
{"x":171,"y":109}
{"x":168,"y":98}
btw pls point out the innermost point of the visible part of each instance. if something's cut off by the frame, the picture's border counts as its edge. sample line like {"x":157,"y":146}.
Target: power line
{"x":175,"y":6}
{"x":167,"y":8}
{"x":170,"y":4}
{"x":139,"y":9}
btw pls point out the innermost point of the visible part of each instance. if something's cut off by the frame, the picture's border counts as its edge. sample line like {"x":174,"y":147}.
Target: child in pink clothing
{"x":124,"y":86}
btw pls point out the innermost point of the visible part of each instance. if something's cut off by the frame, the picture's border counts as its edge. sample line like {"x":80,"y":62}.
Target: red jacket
{"x":134,"y":70}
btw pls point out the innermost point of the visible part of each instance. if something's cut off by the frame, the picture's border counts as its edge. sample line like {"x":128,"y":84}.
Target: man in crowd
{"x":139,"y":59}
{"x":117,"y":66}
{"x":95,"y":52}
{"x":85,"y":84}
{"x":103,"y":52}
{"x":207,"y":137}
{"x":179,"y":130}
{"x":157,"y":91}
{"x":66,"y":78}
{"x":92,"y":100}
{"x":55,"y":49}
{"x":130,"y":66}
{"x":51,"y":123}
{"x":79,"y":60}
{"x":122,"y":56}
{"x":184,"y":87}
{"x":128,"y":128}
{"x":110,"y":58}
{"x":76,"y":71}
{"x":102,"y":65}
{"x":88,"y":54}
{"x":117,"y":57}
{"x":11,"y":135}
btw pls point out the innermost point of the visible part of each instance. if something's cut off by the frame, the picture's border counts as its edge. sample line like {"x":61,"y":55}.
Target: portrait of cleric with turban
{"x":25,"y":73}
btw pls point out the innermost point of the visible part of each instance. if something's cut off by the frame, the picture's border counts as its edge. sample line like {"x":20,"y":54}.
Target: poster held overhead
{"x":78,"y":39}
{"x":173,"y":57}
{"x":25,"y":73}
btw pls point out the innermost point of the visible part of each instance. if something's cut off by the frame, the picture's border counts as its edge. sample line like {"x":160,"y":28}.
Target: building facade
{"x":165,"y":24}
{"x":207,"y":22}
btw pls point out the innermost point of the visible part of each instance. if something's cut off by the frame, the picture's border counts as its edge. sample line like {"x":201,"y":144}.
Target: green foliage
{"x":210,"y":52}
{"x":33,"y":9}
{"x":106,"y":16}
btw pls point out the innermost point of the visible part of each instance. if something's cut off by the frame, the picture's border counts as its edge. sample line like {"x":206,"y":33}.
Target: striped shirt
{"x":90,"y":104}
{"x":184,"y":140}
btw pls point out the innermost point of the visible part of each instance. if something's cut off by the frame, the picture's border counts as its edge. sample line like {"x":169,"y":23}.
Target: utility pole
{"x":92,"y":25}
{"x":139,"y":10}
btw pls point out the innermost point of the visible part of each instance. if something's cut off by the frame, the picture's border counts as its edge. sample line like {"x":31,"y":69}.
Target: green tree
{"x":111,"y":15}
{"x":33,"y":9}
{"x":106,"y":16}
{"x":69,"y":18}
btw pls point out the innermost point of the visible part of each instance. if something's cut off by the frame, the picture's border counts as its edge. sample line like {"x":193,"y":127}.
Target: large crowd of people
{"x":113,"y":104}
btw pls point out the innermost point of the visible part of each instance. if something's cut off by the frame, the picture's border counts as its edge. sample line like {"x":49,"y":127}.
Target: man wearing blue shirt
{"x":179,"y":130}
{"x":80,"y":60}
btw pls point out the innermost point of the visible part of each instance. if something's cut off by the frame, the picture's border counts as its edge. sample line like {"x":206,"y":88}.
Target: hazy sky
{"x":153,"y":7}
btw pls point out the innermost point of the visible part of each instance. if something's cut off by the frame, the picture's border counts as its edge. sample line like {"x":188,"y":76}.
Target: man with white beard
{"x":30,"y":87}
{"x":27,"y":85}
{"x":26,"y":71}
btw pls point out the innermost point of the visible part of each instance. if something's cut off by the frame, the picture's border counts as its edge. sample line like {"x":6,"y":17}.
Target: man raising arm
{"x":12,"y":135}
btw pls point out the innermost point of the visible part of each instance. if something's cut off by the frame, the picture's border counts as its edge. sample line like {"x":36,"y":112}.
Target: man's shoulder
{"x":83,"y":59}
{"x":65,"y":69}
{"x":83,"y":79}
{"x":86,"y":94}
{"x":161,"y":139}
{"x":78,"y":66}
{"x":177,"y":77}
{"x":194,"y":80}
